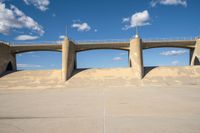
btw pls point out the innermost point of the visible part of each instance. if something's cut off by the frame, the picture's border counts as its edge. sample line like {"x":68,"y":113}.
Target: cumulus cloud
{"x":137,"y":19}
{"x":28,"y":66}
{"x":40,"y":4}
{"x":169,"y":2}
{"x":84,"y":27}
{"x":13,"y":18}
{"x":118,"y":59}
{"x":173,"y":52}
{"x":26,"y":38}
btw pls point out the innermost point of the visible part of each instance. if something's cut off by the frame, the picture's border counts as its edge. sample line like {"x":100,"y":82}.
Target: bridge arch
{"x":31,"y":48}
{"x":9,"y":66}
{"x":188,"y":44}
{"x":36,"y":50}
{"x":89,"y":49}
{"x":182,"y":47}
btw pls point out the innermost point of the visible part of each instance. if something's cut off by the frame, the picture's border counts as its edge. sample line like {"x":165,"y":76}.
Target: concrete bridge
{"x":69,"y":50}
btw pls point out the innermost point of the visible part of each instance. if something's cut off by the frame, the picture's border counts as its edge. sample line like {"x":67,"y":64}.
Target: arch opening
{"x":168,"y":56}
{"x":102,"y":58}
{"x":9,"y":67}
{"x":196,"y":61}
{"x":39,"y":60}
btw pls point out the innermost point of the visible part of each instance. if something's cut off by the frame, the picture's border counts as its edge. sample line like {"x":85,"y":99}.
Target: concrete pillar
{"x":7,"y":58}
{"x":136,"y":56}
{"x":65,"y":51}
{"x":68,"y":59}
{"x":196,"y":55}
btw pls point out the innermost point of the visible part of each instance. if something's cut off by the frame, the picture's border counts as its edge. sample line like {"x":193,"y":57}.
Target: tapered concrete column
{"x":136,"y":57}
{"x":196,"y":55}
{"x":68,"y":59}
{"x":65,"y":51}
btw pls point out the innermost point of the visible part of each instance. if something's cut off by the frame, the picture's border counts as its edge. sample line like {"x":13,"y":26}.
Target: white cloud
{"x":62,"y":37}
{"x":28,"y":66}
{"x":140,"y":19}
{"x":26,"y":37}
{"x":81,"y":27}
{"x":12,"y":18}
{"x":125,"y":20}
{"x":137,"y":19}
{"x":169,"y":2}
{"x":173,"y":52}
{"x":175,"y":62}
{"x":118,"y":59}
{"x":40,"y":4}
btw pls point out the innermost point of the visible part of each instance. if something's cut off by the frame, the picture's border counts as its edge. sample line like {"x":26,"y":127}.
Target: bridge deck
{"x":189,"y":44}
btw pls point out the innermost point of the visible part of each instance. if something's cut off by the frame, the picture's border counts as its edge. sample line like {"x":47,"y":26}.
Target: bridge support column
{"x":136,"y":57}
{"x":7,"y":59}
{"x":68,"y":59}
{"x":196,"y":55}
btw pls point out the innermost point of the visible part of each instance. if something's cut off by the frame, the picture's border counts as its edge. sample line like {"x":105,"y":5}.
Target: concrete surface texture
{"x":101,"y":101}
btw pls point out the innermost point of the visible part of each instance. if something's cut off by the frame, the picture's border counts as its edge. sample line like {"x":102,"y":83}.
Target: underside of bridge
{"x":69,"y":50}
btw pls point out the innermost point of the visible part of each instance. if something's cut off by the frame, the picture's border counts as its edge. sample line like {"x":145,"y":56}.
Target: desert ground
{"x":167,"y":100}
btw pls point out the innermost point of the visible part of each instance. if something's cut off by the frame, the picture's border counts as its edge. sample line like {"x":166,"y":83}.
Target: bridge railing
{"x":102,"y":41}
{"x":36,"y":43}
{"x":170,"y":39}
{"x":128,"y":40}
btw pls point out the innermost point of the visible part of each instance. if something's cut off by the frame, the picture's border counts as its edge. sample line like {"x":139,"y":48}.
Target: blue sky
{"x":45,"y":20}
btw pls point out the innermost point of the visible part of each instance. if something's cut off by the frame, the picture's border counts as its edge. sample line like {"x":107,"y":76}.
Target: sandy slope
{"x":45,"y":79}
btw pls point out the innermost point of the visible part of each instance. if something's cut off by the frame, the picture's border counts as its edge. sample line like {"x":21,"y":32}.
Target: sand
{"x":101,"y":101}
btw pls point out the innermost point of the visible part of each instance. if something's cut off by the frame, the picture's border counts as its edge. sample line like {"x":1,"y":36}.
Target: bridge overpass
{"x":70,"y":48}
{"x":21,"y":48}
